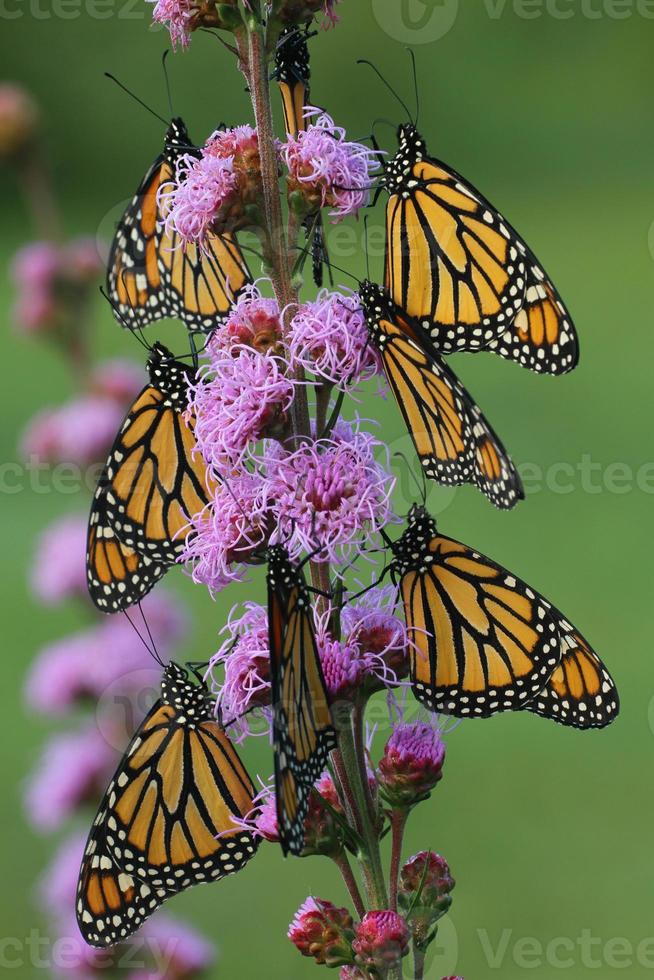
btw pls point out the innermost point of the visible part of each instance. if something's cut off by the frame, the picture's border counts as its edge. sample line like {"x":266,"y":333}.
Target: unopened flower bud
{"x":425,"y":886}
{"x":412,"y":764}
{"x":19,"y":119}
{"x":382,"y":939}
{"x":324,"y":932}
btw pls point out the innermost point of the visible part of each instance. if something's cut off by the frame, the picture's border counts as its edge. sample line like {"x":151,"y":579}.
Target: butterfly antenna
{"x":420,"y":486}
{"x":364,"y":61}
{"x":138,"y":332}
{"x":416,"y":88}
{"x":365,"y":243}
{"x":150,"y":648}
{"x":129,"y":92}
{"x":167,"y":81}
{"x":150,"y":636}
{"x":345,"y":273}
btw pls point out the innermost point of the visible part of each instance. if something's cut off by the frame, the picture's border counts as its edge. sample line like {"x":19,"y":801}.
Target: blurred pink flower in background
{"x":85,"y":664}
{"x":118,"y":379}
{"x":59,"y":566}
{"x":74,"y":768}
{"x":80,"y":432}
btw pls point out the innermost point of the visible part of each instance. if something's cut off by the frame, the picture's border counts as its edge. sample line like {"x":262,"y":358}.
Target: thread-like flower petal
{"x":329,"y":337}
{"x":327,"y":169}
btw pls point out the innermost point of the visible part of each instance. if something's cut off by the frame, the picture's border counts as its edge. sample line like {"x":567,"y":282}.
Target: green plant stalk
{"x":370,"y":859}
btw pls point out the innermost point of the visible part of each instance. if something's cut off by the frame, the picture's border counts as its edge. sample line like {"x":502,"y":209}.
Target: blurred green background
{"x":548,"y":831}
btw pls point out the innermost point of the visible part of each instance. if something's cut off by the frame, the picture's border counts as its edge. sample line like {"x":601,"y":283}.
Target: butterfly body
{"x":303,"y":734}
{"x":165,"y":822}
{"x":453,"y":439}
{"x":154,"y":481}
{"x":460,"y":270}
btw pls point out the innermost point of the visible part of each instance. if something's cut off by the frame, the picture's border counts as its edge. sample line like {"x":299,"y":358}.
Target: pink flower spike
{"x":322,"y":931}
{"x":328,"y":169}
{"x":329,"y":337}
{"x":332,"y":493}
{"x":107,"y":655}
{"x":262,"y":818}
{"x":59,"y":567}
{"x":36,"y":266}
{"x":412,"y":763}
{"x":229,"y":533}
{"x":191,"y":202}
{"x":247,"y":398}
{"x":81,"y":432}
{"x":371,"y":624}
{"x":73,"y":769}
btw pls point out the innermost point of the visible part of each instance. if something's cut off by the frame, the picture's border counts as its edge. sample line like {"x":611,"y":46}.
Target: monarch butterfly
{"x":154,"y":480}
{"x":580,"y":693}
{"x":293,"y":74}
{"x":303,"y":734}
{"x":165,"y":822}
{"x":151,"y":276}
{"x":483,"y":640}
{"x":459,"y":269}
{"x":453,"y":440}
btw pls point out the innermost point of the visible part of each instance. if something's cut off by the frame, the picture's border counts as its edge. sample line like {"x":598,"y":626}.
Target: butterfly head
{"x":169,"y":376}
{"x":189,"y":699}
{"x":411,"y":149}
{"x":176,"y":140}
{"x":413,"y":545}
{"x":280,"y":567}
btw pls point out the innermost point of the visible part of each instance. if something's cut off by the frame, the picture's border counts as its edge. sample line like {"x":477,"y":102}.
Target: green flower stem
{"x":347,"y":874}
{"x":370,"y":859}
{"x":280,"y":258}
{"x":398,"y":819}
{"x":418,"y":963}
{"x":282,"y":240}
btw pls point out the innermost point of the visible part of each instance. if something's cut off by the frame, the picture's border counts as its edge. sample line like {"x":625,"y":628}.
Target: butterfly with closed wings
{"x":303,"y":733}
{"x":483,"y":641}
{"x":462,"y":273}
{"x":169,"y":817}
{"x":151,"y":275}
{"x":293,"y":75}
{"x":454,"y":441}
{"x":154,"y":481}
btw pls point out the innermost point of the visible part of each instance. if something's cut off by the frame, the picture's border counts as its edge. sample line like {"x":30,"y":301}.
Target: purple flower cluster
{"x":209,"y":191}
{"x":327,"y":169}
{"x":332,"y":492}
{"x":372,"y":650}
